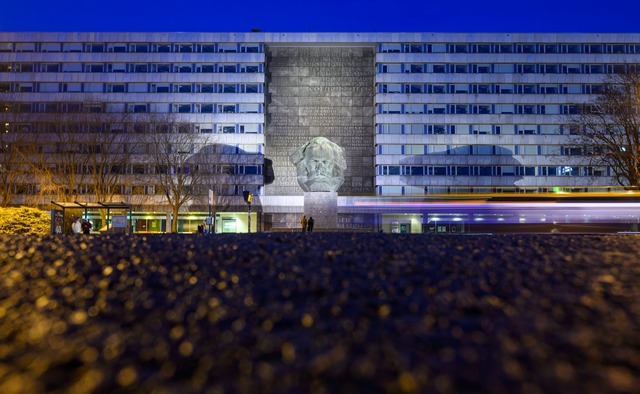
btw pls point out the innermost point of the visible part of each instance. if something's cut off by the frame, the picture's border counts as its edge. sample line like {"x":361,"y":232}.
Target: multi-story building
{"x":418,"y":114}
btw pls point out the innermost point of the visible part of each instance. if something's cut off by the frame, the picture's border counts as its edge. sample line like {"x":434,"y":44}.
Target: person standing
{"x":77,"y":226}
{"x":310,"y":224}
{"x":303,"y":223}
{"x":86,"y":227}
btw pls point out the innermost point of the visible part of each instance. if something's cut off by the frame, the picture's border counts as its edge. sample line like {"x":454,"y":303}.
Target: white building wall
{"x":477,"y":130}
{"x":40,"y":49}
{"x":61,"y":72}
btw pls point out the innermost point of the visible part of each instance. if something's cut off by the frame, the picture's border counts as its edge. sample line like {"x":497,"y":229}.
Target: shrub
{"x":24,"y":220}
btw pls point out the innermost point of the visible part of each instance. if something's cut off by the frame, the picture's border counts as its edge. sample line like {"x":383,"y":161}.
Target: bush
{"x":24,"y":220}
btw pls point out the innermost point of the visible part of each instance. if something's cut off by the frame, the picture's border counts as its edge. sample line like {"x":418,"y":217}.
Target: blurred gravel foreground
{"x":320,"y":313}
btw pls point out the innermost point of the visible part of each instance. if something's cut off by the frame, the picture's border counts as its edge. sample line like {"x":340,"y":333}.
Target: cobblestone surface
{"x":321,"y":313}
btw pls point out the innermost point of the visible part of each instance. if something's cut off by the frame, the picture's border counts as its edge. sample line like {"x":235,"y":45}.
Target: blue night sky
{"x":322,"y":15}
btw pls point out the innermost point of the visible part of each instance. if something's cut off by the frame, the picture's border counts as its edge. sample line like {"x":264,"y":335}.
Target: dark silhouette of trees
{"x":608,"y":128}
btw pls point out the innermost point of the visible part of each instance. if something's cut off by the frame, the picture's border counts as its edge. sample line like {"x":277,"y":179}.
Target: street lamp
{"x":210,"y":219}
{"x":247,"y":198}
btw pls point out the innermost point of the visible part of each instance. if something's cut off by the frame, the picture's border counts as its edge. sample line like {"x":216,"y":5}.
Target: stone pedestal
{"x":323,"y":208}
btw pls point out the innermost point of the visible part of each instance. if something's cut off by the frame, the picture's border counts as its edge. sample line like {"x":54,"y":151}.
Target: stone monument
{"x":318,"y":91}
{"x":320,"y":166}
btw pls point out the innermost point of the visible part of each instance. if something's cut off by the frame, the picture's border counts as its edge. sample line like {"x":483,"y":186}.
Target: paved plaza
{"x":320,"y":313}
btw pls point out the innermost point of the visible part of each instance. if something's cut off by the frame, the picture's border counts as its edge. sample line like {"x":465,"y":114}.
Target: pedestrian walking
{"x":303,"y":222}
{"x":310,"y":224}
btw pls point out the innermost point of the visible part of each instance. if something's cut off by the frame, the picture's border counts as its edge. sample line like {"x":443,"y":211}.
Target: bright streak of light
{"x":568,"y":211}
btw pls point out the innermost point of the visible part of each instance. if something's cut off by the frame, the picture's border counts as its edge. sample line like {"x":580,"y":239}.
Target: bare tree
{"x":608,"y":129}
{"x":10,"y":170}
{"x":179,"y":162}
{"x":18,"y":145}
{"x":85,"y":151}
{"x":67,"y":151}
{"x":108,"y":150}
{"x":61,"y":160}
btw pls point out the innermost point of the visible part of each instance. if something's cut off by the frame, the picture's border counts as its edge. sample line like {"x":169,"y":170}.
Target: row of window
{"x":133,"y":148}
{"x":488,"y":109}
{"x":54,"y":107}
{"x":217,"y":169}
{"x":45,"y":87}
{"x":405,"y":68}
{"x":493,"y":170}
{"x":508,"y":48}
{"x":492,"y":150}
{"x":131,"y":47}
{"x":259,"y":48}
{"x":132,"y":67}
{"x":504,"y":68}
{"x":131,"y":128}
{"x":243,"y":108}
{"x":488,"y":88}
{"x":150,"y":190}
{"x":419,"y":128}
{"x":422,"y":190}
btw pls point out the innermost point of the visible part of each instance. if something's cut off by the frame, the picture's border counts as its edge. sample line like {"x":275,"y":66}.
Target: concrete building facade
{"x":418,"y":114}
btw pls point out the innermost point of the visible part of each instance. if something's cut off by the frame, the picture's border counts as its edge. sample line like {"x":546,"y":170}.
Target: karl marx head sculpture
{"x":320,"y":164}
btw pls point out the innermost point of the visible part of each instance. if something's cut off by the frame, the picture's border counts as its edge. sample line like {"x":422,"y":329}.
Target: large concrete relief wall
{"x":320,"y":92}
